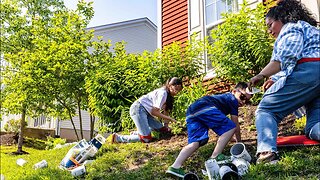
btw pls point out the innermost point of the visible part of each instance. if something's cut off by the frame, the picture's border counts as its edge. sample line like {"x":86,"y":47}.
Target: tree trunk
{"x":80,"y":120}
{"x":21,"y":133}
{"x":92,"y":121}
{"x":74,"y":127}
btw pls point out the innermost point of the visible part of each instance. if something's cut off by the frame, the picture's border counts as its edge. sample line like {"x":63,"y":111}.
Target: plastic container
{"x":212,"y":168}
{"x":97,"y":141}
{"x":238,"y":150}
{"x":90,"y":151}
{"x":242,"y":165}
{"x":41,"y":164}
{"x":21,"y":162}
{"x":69,"y":159}
{"x":190,"y":176}
{"x":226,"y":173}
{"x":78,"y":171}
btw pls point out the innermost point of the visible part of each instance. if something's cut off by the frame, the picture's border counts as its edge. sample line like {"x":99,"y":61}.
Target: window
{"x":212,"y":17}
{"x":214,"y":8}
{"x":204,"y":15}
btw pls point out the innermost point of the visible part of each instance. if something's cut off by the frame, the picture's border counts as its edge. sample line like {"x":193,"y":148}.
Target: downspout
{"x":159,"y":24}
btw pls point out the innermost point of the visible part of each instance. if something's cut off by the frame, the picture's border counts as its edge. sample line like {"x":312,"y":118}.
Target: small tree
{"x":45,"y":48}
{"x":241,"y":46}
{"x":21,"y":94}
{"x":117,"y":79}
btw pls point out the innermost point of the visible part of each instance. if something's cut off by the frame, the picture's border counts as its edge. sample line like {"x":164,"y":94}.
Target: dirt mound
{"x":8,"y":139}
{"x":248,"y":131}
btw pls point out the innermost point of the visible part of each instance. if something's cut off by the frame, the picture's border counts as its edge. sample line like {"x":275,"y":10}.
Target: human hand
{"x":267,"y":84}
{"x":255,"y":80}
{"x":173,"y":120}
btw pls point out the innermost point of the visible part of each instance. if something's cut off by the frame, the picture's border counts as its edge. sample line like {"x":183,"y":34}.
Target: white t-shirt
{"x":155,"y":98}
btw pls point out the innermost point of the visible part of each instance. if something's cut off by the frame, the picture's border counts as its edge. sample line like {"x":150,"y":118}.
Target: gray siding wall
{"x":139,"y":37}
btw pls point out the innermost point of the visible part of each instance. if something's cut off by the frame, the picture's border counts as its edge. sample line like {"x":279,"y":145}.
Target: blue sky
{"x":112,"y":11}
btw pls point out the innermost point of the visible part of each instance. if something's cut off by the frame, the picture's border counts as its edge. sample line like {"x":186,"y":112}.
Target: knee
{"x":314,"y":132}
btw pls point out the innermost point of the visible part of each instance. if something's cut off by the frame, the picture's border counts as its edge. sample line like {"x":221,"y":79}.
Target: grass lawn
{"x":11,"y":170}
{"x":149,"y":161}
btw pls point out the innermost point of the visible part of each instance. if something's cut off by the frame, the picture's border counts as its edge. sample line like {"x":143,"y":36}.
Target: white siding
{"x":139,"y":34}
{"x":85,"y":121}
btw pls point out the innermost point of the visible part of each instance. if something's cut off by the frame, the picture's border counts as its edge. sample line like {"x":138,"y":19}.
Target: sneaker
{"x":221,"y":159}
{"x":176,"y":171}
{"x":267,"y":157}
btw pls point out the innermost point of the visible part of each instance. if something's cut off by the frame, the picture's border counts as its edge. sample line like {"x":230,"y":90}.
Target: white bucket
{"x":226,"y":172}
{"x":190,"y":176}
{"x":21,"y":162}
{"x":41,"y":164}
{"x":78,"y":171}
{"x":212,"y":168}
{"x":238,"y":150}
{"x":242,"y":165}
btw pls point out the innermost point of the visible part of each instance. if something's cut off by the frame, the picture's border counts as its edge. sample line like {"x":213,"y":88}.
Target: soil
{"x":8,"y":139}
{"x":248,"y":132}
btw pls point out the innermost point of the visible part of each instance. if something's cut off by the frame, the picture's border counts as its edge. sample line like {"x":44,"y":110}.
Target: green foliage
{"x":117,"y":78}
{"x":300,"y":123}
{"x":52,"y":142}
{"x":241,"y":46}
{"x":126,"y":121}
{"x":45,"y":47}
{"x":187,"y":96}
{"x":34,"y":143}
{"x":12,"y":126}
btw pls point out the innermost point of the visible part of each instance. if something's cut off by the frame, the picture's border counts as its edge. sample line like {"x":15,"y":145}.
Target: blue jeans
{"x":144,"y":122}
{"x":302,"y":87}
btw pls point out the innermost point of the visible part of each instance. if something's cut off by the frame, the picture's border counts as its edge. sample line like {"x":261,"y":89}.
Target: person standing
{"x":295,"y":64}
{"x":145,"y":111}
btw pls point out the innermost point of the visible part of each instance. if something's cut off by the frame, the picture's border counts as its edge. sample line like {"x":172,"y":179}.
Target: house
{"x":139,"y":34}
{"x":181,"y":18}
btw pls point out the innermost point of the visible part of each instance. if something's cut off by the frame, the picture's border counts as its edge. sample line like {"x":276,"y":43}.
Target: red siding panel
{"x":174,"y":21}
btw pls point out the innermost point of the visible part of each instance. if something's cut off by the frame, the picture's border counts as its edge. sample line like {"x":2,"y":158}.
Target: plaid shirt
{"x":295,"y":41}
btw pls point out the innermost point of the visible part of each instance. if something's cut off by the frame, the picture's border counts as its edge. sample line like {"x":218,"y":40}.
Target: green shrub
{"x":12,"y":126}
{"x":126,"y":121}
{"x":300,"y":123}
{"x":241,"y":46}
{"x":52,"y":142}
{"x":117,"y":79}
{"x":34,"y":143}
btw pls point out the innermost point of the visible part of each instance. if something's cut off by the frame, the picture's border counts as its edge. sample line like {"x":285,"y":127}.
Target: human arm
{"x":156,"y":112}
{"x":165,"y":121}
{"x":272,"y":68}
{"x":287,"y":51}
{"x":237,"y":133}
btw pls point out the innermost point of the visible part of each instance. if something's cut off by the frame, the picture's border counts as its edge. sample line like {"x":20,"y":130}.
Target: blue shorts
{"x":199,"y":123}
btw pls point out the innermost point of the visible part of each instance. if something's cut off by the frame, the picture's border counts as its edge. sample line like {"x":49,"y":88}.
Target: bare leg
{"x":222,"y":142}
{"x":185,"y":153}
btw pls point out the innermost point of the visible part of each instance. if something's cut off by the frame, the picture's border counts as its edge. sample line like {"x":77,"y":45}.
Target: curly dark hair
{"x":291,"y":11}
